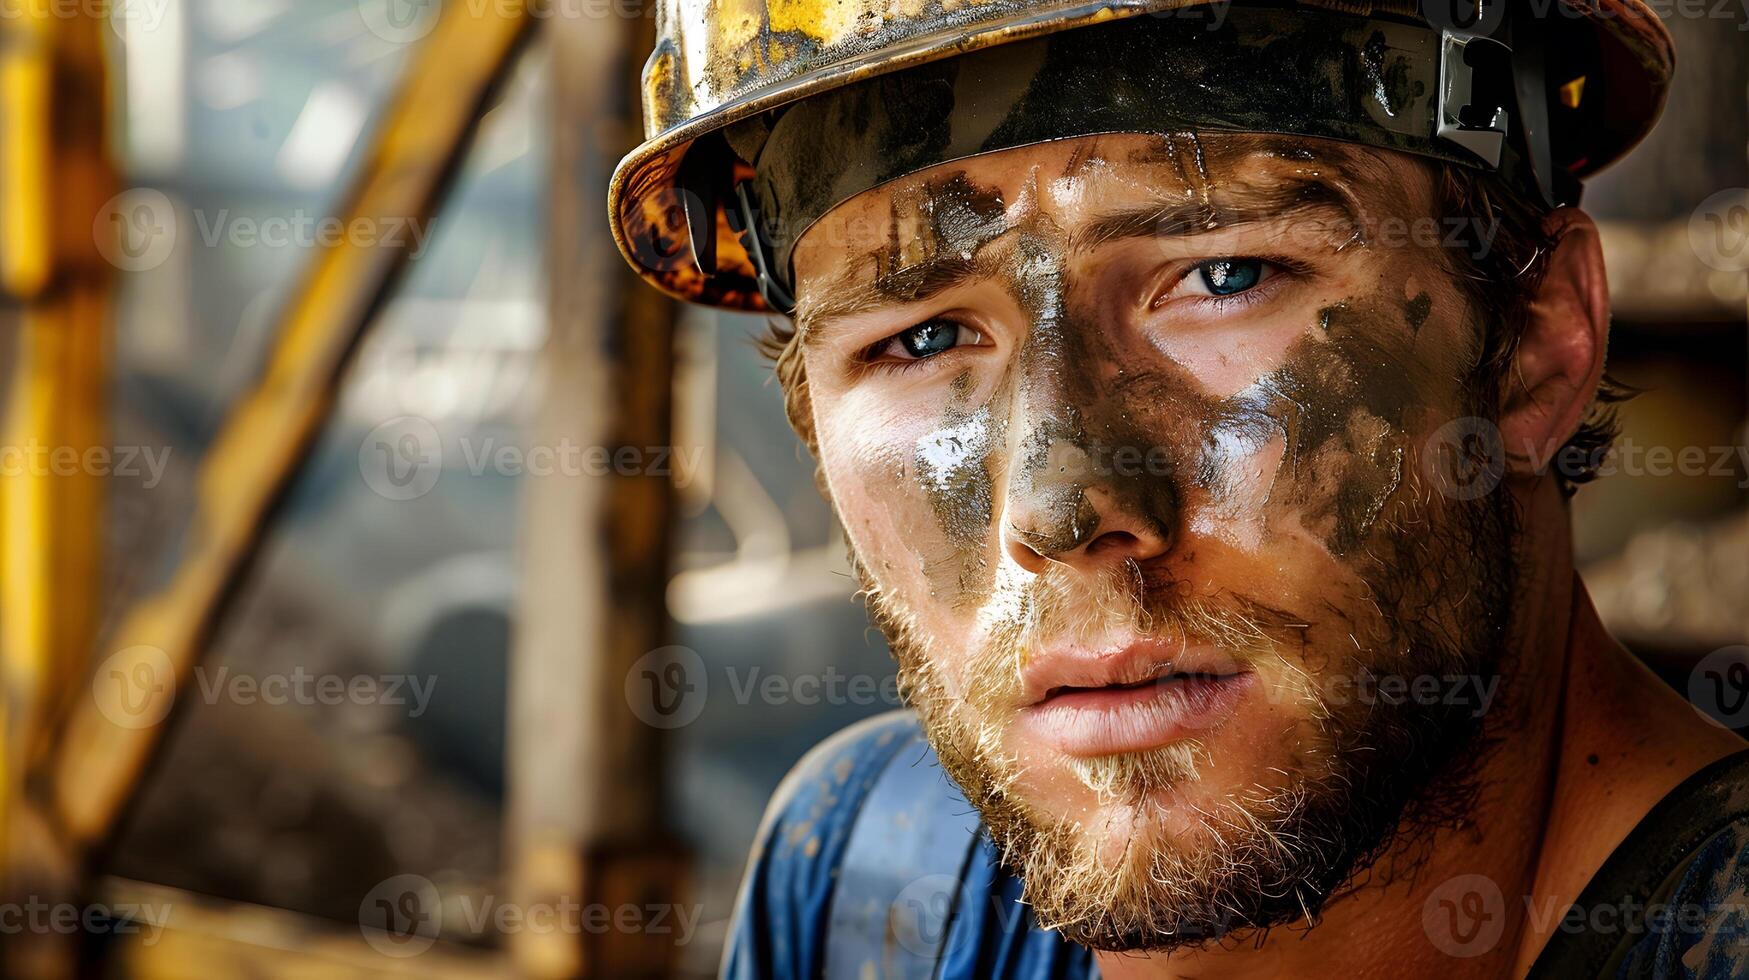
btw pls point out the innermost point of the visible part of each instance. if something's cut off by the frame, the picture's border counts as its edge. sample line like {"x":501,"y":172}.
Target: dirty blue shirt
{"x":780,"y":929}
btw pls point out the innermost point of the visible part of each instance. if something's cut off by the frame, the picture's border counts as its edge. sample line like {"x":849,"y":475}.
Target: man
{"x":1201,"y":390}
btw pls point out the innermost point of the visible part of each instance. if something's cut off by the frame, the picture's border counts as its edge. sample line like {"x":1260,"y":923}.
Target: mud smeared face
{"x":1126,"y":432}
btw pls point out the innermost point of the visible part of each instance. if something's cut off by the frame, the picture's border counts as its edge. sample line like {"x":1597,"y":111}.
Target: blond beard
{"x":1262,"y":855}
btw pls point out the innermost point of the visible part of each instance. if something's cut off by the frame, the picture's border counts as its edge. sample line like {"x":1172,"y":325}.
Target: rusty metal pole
{"x":56,"y":182}
{"x":586,"y":819}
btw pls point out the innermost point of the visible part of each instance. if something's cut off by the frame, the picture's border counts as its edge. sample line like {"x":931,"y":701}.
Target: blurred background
{"x":421,"y":594}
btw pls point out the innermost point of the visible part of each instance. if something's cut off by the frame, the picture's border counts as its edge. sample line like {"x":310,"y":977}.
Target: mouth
{"x":1131,"y":700}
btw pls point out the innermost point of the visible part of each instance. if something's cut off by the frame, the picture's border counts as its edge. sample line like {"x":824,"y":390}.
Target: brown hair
{"x":1500,"y":287}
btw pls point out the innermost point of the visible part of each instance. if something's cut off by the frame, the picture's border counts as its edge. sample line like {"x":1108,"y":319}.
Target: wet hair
{"x":1499,"y":285}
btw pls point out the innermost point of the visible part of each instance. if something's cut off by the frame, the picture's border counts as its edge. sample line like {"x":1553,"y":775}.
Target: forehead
{"x":1203,"y":180}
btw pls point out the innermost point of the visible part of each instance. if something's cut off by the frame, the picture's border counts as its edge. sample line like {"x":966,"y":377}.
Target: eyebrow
{"x":1248,"y":204}
{"x":848,"y":296}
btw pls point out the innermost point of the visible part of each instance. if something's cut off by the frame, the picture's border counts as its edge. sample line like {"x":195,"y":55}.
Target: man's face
{"x":1129,"y":435}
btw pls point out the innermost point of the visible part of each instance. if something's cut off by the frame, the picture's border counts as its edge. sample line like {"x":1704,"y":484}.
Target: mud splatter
{"x":935,"y":233}
{"x":951,"y":462}
{"x":1338,"y":402}
{"x":1415,"y":311}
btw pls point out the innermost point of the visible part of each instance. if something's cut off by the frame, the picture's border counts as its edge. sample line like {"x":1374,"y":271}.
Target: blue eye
{"x":1224,"y":277}
{"x":933,"y":337}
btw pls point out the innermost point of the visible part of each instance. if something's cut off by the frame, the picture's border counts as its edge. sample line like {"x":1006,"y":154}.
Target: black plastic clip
{"x":745,"y":222}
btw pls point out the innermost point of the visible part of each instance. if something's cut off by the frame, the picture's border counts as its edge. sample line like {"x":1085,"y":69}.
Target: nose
{"x":1067,"y":508}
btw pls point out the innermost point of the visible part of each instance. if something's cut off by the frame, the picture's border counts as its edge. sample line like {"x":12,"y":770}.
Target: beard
{"x":1364,"y":787}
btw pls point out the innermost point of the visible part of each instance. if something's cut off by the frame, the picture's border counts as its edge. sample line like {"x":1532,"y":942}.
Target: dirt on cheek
{"x":1339,"y":403}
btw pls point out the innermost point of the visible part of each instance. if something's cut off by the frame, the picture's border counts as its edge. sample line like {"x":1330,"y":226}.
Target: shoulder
{"x":1697,"y":924}
{"x":1672,"y":901}
{"x":1706,"y":920}
{"x":785,"y":898}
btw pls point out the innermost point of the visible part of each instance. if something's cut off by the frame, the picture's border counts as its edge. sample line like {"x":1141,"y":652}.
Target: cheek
{"x":900,"y":482}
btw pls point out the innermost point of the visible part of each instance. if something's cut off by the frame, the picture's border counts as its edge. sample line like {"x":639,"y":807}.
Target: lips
{"x":1093,"y":702}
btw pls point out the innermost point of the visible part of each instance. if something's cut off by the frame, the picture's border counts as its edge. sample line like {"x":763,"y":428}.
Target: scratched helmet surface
{"x":722,"y":63}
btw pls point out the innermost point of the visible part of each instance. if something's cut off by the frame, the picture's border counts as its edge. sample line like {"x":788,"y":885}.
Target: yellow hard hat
{"x":857,"y":92}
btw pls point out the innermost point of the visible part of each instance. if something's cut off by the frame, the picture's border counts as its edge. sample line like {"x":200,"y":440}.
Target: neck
{"x":1465,"y":909}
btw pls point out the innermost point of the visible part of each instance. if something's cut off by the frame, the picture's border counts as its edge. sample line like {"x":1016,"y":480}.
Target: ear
{"x":1559,"y":362}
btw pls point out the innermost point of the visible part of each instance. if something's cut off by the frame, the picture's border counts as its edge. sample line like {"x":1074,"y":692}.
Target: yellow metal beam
{"x":173,"y":934}
{"x":25,"y":55}
{"x":55,"y":180}
{"x":54,"y":292}
{"x":254,"y":457}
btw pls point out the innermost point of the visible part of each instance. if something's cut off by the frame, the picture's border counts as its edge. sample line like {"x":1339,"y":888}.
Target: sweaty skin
{"x":1108,"y":453}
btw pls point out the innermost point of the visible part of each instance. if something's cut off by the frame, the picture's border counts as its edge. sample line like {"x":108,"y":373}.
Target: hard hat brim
{"x":647,"y":204}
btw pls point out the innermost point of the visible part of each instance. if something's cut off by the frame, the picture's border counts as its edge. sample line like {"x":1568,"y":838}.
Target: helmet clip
{"x":1475,"y":89}
{"x":744,"y":219}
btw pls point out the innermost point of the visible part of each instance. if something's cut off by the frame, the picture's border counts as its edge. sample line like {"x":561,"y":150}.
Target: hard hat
{"x":761,"y":115}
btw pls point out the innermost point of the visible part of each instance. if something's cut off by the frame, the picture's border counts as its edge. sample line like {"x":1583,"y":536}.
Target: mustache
{"x":1028,"y":612}
{"x":1062,"y":604}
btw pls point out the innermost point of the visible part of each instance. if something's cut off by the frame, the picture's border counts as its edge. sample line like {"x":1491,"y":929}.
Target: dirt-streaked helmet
{"x":763,"y":114}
